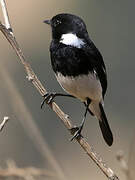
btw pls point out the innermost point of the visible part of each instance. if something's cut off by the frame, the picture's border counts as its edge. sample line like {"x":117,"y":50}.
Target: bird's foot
{"x":77,"y":132}
{"x":48,"y":98}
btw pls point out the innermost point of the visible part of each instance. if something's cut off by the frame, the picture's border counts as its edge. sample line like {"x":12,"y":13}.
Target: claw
{"x":48,"y":98}
{"x":77,"y":132}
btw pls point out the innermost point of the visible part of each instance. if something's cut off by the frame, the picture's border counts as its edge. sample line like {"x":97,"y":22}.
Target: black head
{"x":67,"y":23}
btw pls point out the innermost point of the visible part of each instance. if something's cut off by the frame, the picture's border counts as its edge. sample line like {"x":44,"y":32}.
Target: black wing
{"x":99,"y":66}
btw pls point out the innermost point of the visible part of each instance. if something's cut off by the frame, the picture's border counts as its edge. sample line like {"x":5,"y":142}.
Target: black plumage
{"x":72,"y":61}
{"x":79,"y":67}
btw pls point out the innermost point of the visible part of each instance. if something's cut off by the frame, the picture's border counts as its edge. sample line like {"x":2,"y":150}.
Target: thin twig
{"x":65,"y":120}
{"x":29,"y":124}
{"x":5,"y":15}
{"x":13,"y":171}
{"x":5,"y":120}
{"x":123,"y":164}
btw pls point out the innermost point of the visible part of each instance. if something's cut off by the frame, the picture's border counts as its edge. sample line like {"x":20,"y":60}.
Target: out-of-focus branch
{"x":64,"y":118}
{"x":120,"y":158}
{"x":13,"y":171}
{"x":123,"y":164}
{"x":29,"y":125}
{"x":2,"y":124}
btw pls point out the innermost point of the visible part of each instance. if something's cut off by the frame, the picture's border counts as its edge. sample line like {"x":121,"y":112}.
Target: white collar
{"x":72,"y":40}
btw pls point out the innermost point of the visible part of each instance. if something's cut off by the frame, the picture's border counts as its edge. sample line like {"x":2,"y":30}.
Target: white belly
{"x":82,"y":86}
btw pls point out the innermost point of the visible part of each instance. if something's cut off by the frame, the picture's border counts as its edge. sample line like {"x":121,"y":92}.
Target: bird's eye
{"x":57,"y":22}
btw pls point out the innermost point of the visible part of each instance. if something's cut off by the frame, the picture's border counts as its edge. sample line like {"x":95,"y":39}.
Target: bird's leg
{"x":79,"y":129}
{"x":88,"y":109}
{"x":48,"y":97}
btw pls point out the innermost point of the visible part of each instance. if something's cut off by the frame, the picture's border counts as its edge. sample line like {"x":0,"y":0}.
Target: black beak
{"x":47,"y":22}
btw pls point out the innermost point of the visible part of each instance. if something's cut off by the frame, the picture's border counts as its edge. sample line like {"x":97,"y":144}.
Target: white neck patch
{"x":72,"y":40}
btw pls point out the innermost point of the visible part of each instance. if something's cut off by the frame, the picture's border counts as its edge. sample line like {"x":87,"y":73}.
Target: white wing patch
{"x":72,"y":40}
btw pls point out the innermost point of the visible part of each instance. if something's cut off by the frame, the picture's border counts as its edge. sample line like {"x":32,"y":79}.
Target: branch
{"x":5,"y":15}
{"x":29,"y":125}
{"x":13,"y":171}
{"x":64,"y":118}
{"x":5,"y":120}
{"x":123,"y":164}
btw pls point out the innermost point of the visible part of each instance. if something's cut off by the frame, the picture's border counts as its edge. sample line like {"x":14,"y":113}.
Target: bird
{"x":79,"y":68}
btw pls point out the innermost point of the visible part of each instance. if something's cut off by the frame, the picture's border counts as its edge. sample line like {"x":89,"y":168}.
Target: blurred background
{"x":111,"y":26}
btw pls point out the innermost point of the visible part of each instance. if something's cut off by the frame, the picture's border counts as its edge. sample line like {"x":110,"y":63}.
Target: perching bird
{"x":79,"y":68}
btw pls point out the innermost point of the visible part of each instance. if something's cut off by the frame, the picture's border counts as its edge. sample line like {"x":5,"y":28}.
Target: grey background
{"x":111,"y":26}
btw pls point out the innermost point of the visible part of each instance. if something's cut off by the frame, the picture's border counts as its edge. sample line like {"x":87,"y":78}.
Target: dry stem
{"x":29,"y":125}
{"x":13,"y":171}
{"x":123,"y":164}
{"x":5,"y":120}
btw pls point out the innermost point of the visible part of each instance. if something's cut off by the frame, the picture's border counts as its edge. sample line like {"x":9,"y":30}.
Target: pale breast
{"x":82,"y":86}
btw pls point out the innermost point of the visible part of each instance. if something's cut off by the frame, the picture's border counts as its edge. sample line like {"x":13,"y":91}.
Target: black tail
{"x":105,"y":129}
